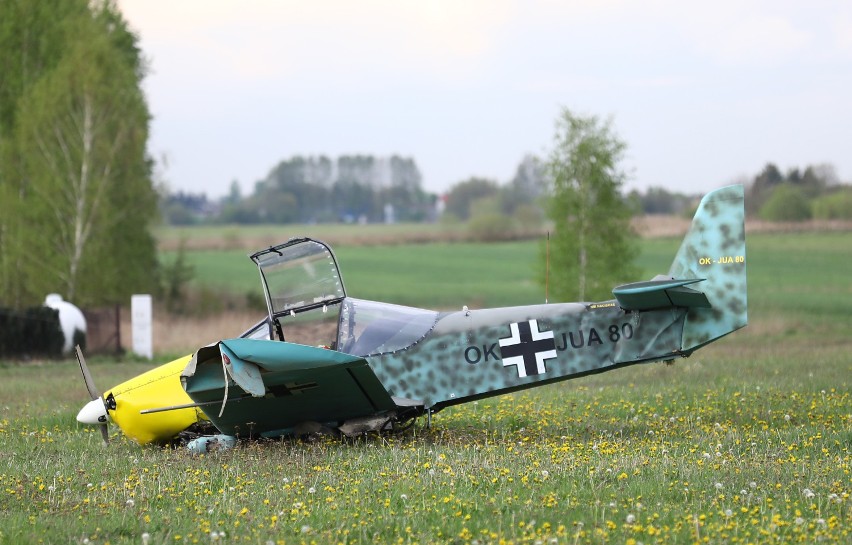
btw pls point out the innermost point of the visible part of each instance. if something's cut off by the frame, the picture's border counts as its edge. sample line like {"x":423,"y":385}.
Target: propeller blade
{"x":93,"y":391}
{"x":87,"y":377}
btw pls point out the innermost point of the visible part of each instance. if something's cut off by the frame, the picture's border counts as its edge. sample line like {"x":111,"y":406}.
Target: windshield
{"x":369,"y":328}
{"x":299,"y":274}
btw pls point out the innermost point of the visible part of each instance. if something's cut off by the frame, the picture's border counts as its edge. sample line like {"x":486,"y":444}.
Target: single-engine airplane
{"x":321,"y":360}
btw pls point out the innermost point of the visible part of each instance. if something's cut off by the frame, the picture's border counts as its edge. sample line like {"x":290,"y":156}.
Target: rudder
{"x":714,"y":249}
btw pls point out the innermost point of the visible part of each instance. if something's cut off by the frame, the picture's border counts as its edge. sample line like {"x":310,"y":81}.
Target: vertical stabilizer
{"x":715,"y":249}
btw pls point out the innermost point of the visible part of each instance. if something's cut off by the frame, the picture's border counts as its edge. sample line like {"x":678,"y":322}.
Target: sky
{"x":703,"y":93}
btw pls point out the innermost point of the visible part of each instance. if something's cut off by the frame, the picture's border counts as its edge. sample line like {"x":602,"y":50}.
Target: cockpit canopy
{"x":307,"y":304}
{"x":298,"y":275}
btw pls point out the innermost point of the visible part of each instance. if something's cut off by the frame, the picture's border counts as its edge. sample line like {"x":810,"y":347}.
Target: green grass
{"x":438,"y":275}
{"x":747,"y":441}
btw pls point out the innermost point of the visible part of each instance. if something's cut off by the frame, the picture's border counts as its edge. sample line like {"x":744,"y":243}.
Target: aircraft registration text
{"x":721,"y":260}
{"x":528,"y":348}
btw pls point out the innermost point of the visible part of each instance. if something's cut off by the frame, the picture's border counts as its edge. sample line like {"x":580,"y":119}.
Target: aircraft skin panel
{"x":314,"y":385}
{"x":502,"y":350}
{"x":204,"y":370}
{"x":271,"y":356}
{"x":156,"y":388}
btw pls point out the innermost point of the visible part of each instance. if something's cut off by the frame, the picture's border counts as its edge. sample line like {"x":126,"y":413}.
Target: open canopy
{"x":308,"y":304}
{"x":300,"y":274}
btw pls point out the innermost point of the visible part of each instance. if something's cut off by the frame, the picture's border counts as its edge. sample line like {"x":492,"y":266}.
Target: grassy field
{"x":801,"y":269}
{"x":748,"y":441}
{"x":440,"y":275}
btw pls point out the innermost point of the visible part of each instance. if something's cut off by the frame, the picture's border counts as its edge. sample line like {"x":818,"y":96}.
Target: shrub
{"x":787,"y":203}
{"x":31,"y":332}
{"x":491,"y":227}
{"x":834,"y":206}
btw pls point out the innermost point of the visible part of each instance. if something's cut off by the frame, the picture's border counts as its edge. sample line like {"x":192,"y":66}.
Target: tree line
{"x":797,"y":195}
{"x":350,"y":188}
{"x":304,"y":190}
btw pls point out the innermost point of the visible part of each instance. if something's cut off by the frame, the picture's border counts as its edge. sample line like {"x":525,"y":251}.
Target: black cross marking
{"x":526,"y":353}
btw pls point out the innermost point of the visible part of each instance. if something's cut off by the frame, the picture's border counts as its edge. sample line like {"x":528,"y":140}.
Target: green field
{"x":439,"y":275}
{"x":747,"y":441}
{"x":808,"y":270}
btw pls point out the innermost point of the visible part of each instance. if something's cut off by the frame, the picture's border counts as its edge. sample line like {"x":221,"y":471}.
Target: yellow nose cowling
{"x":155,"y":389}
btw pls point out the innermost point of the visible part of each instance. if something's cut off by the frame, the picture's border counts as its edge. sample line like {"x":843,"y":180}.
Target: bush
{"x":491,"y":228}
{"x":834,"y":206}
{"x":786,"y":203}
{"x":31,"y":332}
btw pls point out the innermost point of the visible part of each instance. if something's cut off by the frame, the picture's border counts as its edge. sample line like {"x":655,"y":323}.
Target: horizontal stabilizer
{"x":661,"y":292}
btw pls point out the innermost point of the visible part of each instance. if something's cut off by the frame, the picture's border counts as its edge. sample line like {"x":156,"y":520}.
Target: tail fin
{"x":714,"y":249}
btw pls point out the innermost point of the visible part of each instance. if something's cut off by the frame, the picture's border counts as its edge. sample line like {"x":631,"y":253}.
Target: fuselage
{"x":477,"y":353}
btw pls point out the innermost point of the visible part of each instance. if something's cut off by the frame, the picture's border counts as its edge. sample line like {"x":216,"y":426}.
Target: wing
{"x":273,"y":386}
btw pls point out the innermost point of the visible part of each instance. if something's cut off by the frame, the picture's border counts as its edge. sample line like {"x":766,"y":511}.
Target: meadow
{"x":747,"y":441}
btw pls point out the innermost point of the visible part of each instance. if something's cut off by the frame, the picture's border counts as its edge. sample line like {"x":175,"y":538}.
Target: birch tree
{"x":85,"y":193}
{"x":592,"y":248}
{"x":31,"y":43}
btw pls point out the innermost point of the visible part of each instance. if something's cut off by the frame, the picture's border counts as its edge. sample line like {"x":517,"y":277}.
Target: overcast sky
{"x":703,"y":93}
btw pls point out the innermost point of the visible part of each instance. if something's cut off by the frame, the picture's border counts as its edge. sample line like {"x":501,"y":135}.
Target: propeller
{"x":95,"y":411}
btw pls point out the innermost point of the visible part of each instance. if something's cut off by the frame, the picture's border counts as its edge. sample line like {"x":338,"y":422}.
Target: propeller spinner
{"x":95,"y":411}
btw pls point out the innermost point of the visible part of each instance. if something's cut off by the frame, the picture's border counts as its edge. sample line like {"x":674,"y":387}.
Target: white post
{"x":141,"y":327}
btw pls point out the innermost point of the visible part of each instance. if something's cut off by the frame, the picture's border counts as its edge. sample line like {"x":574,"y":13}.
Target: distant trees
{"x":495,"y":211}
{"x":462,"y":196}
{"x":657,"y":200}
{"x":593,"y":246}
{"x":75,"y":180}
{"x":797,"y":195}
{"x":321,"y":189}
{"x":835,"y":205}
{"x":814,"y":192}
{"x":187,"y":208}
{"x":786,"y":202}
{"x":365,"y":188}
{"x":522,"y":197}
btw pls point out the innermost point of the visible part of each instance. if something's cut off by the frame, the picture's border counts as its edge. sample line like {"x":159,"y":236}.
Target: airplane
{"x":322,"y":361}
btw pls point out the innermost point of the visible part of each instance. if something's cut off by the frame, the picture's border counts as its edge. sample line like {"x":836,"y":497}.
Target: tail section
{"x":714,"y":249}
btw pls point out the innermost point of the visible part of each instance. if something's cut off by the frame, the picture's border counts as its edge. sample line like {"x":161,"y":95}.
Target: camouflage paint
{"x":472,"y":354}
{"x":715,"y":249}
{"x":462,"y":357}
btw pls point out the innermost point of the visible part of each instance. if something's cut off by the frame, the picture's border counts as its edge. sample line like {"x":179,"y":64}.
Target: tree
{"x":658,"y":200}
{"x":463,"y":194}
{"x":787,"y":202}
{"x":31,"y":42}
{"x":836,"y":205}
{"x":768,"y":179}
{"x":75,"y":160}
{"x":526,"y":188}
{"x":593,"y":246}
